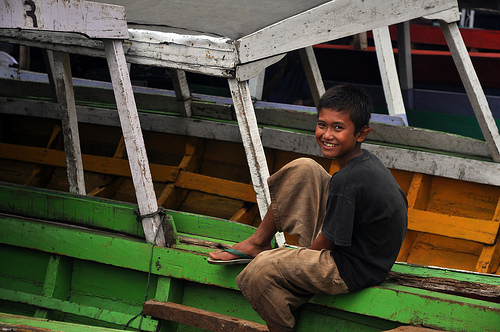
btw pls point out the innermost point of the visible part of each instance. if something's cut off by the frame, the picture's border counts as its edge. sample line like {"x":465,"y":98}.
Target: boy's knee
{"x":304,"y":163}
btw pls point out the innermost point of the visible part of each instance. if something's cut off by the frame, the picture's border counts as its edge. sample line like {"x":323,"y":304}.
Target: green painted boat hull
{"x":84,"y":260}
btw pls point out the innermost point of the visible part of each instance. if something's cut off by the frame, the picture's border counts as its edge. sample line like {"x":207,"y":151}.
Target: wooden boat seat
{"x":411,"y":329}
{"x":204,"y":319}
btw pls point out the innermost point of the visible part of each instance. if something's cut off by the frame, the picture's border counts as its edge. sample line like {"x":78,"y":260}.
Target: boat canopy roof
{"x":230,"y":19}
{"x":262,"y":28}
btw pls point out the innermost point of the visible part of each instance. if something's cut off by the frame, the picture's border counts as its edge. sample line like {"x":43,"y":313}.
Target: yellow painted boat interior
{"x":452,"y":223}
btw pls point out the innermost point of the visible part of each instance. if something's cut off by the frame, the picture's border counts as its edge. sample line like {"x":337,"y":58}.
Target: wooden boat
{"x":87,"y":260}
{"x":432,"y":64}
{"x":79,"y":267}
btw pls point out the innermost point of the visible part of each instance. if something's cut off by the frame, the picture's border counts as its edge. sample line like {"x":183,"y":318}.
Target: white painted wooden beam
{"x":405,"y":64}
{"x":63,"y":84}
{"x":417,"y":157}
{"x":388,"y":73}
{"x":209,"y":56}
{"x":256,"y":85}
{"x":333,"y":20}
{"x":472,"y":87}
{"x":96,"y":20}
{"x":250,"y":136}
{"x":134,"y":142}
{"x":182,"y":93}
{"x":313,"y":73}
{"x":252,"y":143}
{"x":196,"y":53}
{"x":246,"y":71}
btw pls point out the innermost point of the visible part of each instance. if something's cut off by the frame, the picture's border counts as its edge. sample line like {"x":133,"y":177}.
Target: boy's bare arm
{"x":322,"y":242}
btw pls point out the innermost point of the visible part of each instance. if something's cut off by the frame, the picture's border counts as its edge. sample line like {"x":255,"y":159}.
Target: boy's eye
{"x":321,"y":124}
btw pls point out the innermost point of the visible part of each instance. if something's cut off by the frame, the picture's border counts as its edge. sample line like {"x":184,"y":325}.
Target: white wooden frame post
{"x":313,"y":73}
{"x":389,"y":73}
{"x":252,"y":143}
{"x":405,"y":64}
{"x":134,"y":142}
{"x":63,"y":84}
{"x":472,"y":87}
{"x":182,"y":93}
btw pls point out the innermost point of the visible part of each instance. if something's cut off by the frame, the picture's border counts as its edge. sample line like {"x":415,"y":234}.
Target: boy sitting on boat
{"x":350,"y":225}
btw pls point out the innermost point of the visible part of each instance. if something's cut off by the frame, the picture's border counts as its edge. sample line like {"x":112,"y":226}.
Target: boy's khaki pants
{"x":278,"y":281}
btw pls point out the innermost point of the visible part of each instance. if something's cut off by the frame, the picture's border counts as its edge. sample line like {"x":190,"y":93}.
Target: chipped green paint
{"x":98,"y":277}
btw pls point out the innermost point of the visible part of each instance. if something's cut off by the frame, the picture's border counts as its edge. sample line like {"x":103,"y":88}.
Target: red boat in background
{"x":431,"y":61}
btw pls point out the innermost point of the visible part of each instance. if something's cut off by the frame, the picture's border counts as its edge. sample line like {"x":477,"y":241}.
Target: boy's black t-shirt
{"x":366,"y":218}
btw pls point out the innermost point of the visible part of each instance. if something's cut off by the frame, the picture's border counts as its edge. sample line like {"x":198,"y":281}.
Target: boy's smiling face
{"x":335,"y":134}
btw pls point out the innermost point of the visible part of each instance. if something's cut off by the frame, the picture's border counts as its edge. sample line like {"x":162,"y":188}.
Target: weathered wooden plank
{"x":98,"y":164}
{"x":293,"y":117}
{"x":410,"y":329}
{"x":101,"y":314}
{"x":254,"y":149}
{"x":172,"y":196}
{"x":63,"y":207}
{"x":116,"y":251}
{"x":405,"y":65}
{"x":169,"y":289}
{"x":419,"y":307}
{"x":144,"y":53}
{"x":440,"y":272}
{"x":251,"y":141}
{"x":388,"y":73}
{"x":182,"y":93}
{"x":119,"y":167}
{"x":105,"y":214}
{"x":247,"y":71}
{"x":198,"y":53}
{"x":23,"y":323}
{"x":313,"y":73}
{"x":484,"y":231}
{"x":333,"y":20}
{"x":397,"y":157}
{"x":42,"y":174}
{"x":95,"y":20}
{"x":57,"y":281}
{"x":200,"y":318}
{"x":110,"y":184}
{"x":60,"y":68}
{"x":246,"y":214}
{"x":473,"y":87}
{"x":221,"y":187}
{"x":447,"y":285}
{"x":489,"y":259}
{"x":437,"y":164}
{"x":134,"y":142}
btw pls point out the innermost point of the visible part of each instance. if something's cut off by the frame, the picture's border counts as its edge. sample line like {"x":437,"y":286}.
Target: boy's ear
{"x":360,"y":137}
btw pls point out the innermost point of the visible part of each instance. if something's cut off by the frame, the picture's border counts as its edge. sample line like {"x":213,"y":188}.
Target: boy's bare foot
{"x":246,"y":250}
{"x":246,"y":247}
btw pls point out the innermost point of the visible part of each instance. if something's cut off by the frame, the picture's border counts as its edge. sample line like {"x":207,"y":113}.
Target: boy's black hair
{"x":348,"y":98}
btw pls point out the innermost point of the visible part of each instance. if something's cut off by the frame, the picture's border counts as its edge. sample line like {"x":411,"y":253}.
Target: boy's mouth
{"x":330,"y":145}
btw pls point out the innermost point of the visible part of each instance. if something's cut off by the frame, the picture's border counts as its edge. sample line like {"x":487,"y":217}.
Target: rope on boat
{"x":161,"y":212}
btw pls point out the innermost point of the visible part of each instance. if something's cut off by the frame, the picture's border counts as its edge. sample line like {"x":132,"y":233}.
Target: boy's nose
{"x":329,"y":133}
